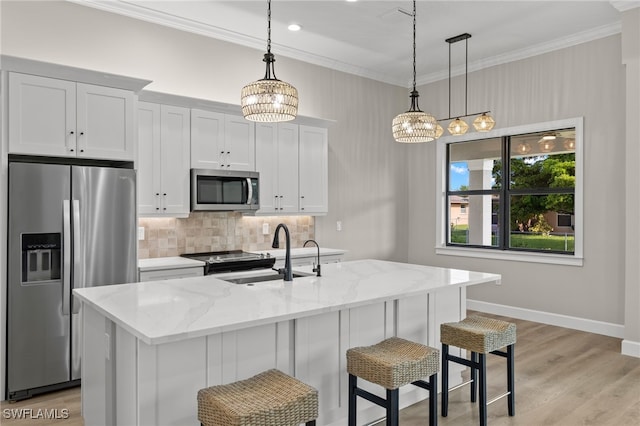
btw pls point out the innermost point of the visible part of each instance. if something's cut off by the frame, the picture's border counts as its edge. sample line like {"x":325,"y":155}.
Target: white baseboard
{"x":575,"y":323}
{"x":630,"y":348}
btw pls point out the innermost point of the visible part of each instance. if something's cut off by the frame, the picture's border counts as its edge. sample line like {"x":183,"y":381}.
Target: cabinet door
{"x":288,"y":168}
{"x":104,"y":123}
{"x":207,"y":139}
{"x":267,"y":165}
{"x":175,"y":158}
{"x":148,"y":165}
{"x":42,"y":115}
{"x":314,"y":157}
{"x":240,"y":143}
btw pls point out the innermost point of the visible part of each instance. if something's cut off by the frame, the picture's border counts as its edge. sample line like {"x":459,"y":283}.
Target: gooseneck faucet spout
{"x":287,"y":259}
{"x":316,"y":267}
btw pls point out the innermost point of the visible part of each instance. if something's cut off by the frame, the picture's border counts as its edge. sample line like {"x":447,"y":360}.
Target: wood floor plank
{"x":563,"y":378}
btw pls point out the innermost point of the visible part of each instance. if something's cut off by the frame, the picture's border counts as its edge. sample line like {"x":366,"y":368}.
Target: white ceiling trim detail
{"x":188,"y":25}
{"x":624,"y":5}
{"x":139,"y":12}
{"x":539,"y":49}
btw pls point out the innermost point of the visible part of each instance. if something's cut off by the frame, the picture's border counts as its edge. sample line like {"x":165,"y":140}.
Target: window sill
{"x":555,"y":259}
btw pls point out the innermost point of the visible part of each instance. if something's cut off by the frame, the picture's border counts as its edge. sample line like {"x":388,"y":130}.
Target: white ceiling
{"x":373,"y":39}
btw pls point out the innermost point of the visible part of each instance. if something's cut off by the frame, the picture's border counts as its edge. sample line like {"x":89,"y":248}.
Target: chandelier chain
{"x":268,"y":26}
{"x":414,"y":45}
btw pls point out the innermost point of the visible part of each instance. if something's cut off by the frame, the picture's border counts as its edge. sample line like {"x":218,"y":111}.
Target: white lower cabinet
{"x":169,"y":274}
{"x":163,"y":160}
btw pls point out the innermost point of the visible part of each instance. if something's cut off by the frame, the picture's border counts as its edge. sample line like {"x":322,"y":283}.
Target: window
{"x":514,"y":191}
{"x":563,"y":220}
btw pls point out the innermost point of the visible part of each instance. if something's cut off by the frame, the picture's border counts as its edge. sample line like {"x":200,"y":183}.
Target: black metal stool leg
{"x":511,"y":387}
{"x":474,"y":378}
{"x":393,"y":407}
{"x":483,"y":388}
{"x":433,"y":400}
{"x":311,"y":423}
{"x":353,"y":380}
{"x":445,"y":381}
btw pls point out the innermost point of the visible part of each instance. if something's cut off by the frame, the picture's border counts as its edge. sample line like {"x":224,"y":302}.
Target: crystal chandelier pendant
{"x":269,"y":99}
{"x":415,"y":125}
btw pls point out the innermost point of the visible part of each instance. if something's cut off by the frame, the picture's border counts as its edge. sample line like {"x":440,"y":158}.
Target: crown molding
{"x":538,"y":49}
{"x":145,"y":14}
{"x":624,"y":5}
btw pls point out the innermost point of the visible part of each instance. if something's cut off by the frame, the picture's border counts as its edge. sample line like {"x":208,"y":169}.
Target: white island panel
{"x":175,"y":337}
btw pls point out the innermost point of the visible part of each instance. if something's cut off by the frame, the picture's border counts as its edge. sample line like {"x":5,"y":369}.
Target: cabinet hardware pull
{"x":71,"y":132}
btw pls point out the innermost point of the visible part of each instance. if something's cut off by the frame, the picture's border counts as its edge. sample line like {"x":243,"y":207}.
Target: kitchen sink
{"x":260,"y":278}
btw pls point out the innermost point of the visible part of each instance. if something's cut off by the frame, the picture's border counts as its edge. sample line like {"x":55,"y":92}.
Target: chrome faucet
{"x":316,"y":268}
{"x":287,"y":259}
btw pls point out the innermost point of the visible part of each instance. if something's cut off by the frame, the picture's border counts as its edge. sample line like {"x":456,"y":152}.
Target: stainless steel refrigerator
{"x":70,"y":226}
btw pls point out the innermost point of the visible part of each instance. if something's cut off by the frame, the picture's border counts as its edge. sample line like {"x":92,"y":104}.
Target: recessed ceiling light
{"x":351,"y":1}
{"x":294,"y":27}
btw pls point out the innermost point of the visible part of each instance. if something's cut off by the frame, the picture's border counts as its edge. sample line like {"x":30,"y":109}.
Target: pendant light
{"x":414,"y":126}
{"x":269,"y":100}
{"x":484,"y":122}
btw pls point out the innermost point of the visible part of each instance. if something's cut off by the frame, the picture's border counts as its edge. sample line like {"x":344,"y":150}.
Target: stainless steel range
{"x":233,"y":260}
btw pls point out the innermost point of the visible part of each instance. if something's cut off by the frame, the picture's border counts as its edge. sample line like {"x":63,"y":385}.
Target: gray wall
{"x":584,"y":80}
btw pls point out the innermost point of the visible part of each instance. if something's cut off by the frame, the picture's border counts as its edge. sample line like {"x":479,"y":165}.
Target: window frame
{"x":441,"y":248}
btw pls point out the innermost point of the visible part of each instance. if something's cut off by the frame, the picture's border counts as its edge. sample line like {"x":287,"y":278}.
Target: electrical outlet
{"x":339,"y":225}
{"x":140,"y":233}
{"x":265,"y":228}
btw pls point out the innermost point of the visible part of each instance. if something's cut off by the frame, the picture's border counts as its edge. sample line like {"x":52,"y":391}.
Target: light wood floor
{"x":563,"y":377}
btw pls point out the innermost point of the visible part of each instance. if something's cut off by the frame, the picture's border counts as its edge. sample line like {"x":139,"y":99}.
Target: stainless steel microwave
{"x":224,"y":190}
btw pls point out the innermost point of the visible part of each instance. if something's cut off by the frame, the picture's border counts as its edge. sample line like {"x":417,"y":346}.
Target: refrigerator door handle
{"x":77,"y":261}
{"x":66,"y":249}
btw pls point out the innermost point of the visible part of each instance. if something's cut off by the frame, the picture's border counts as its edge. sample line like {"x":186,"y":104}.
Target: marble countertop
{"x":161,"y":263}
{"x":172,"y":310}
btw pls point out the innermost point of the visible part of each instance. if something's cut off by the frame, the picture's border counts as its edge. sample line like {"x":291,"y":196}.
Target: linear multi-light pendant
{"x":484,"y":122}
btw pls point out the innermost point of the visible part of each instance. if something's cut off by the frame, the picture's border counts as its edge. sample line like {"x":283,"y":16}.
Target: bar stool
{"x":480,"y":336}
{"x":271,"y":398}
{"x":393,"y":363}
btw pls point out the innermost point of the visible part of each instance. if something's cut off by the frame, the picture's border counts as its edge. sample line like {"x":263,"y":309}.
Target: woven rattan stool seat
{"x":478,"y":334}
{"x":271,"y":398}
{"x":393,"y":363}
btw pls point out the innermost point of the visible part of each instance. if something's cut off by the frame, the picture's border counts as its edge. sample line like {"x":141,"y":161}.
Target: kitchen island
{"x":149,"y":347}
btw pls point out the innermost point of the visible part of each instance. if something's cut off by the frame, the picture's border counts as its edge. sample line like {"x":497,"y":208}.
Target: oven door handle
{"x":249,"y":191}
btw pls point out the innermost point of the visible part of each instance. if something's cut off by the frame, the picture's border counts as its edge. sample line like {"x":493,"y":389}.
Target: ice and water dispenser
{"x":41,"y":257}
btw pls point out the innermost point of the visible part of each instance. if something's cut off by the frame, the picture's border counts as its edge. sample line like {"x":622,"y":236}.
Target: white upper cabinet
{"x":277,"y":163}
{"x":163,"y":160}
{"x":314,"y":170}
{"x":207,"y":139}
{"x":240,"y":143}
{"x":62,"y":118}
{"x":221,"y":141}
